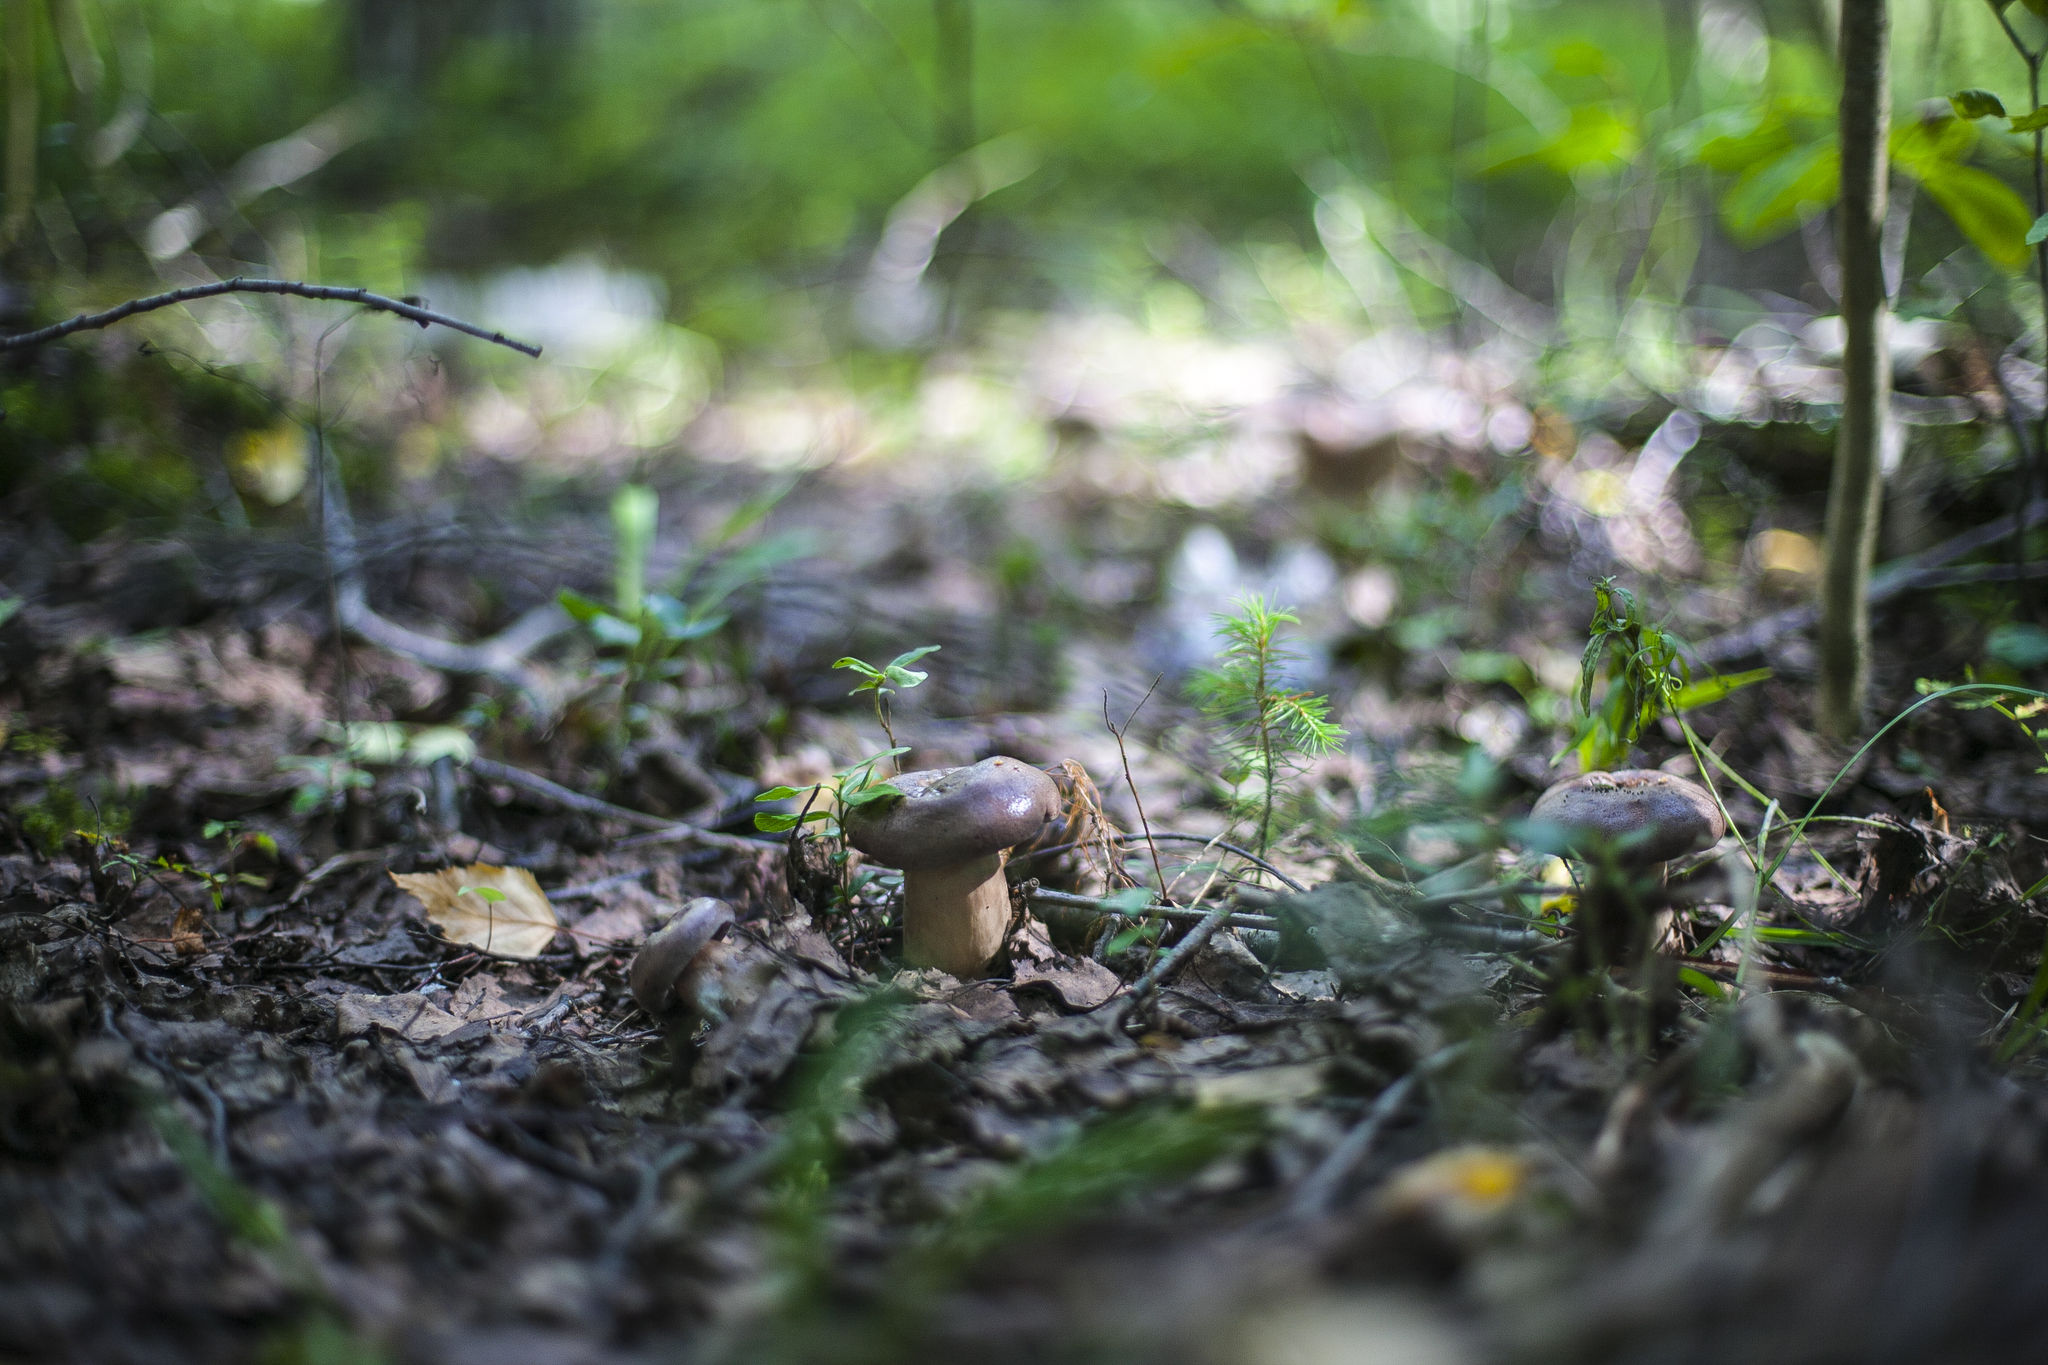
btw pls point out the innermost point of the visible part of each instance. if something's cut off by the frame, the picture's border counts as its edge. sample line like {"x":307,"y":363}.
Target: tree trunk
{"x":1856,"y":490}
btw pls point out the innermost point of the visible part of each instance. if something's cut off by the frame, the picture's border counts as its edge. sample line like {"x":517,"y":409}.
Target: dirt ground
{"x":255,"y":1104}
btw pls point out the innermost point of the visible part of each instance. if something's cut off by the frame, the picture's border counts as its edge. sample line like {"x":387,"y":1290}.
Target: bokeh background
{"x":1040,"y":330}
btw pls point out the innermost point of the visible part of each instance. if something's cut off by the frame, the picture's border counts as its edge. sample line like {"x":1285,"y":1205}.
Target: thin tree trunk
{"x":20,"y":39}
{"x":1856,"y":490}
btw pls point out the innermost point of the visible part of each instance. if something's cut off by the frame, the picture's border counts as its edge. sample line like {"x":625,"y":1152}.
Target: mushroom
{"x":948,"y":833}
{"x":673,"y":966}
{"x":1641,"y":817}
{"x":1628,"y":822}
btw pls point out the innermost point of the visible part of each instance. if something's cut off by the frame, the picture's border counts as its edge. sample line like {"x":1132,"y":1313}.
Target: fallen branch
{"x":1172,"y":837}
{"x":87,"y":322}
{"x":661,"y":826}
{"x":1891,"y":580}
{"x":1065,"y":904}
{"x":1170,"y":966}
{"x":502,"y":656}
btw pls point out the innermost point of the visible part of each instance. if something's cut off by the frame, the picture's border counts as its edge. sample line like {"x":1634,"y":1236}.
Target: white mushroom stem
{"x":954,"y":918}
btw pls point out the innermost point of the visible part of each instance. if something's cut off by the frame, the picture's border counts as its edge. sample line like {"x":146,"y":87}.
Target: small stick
{"x":86,"y":322}
{"x":1158,"y":868}
{"x":1151,"y":836}
{"x":1062,"y":902}
{"x":661,"y":828}
{"x":1168,"y":967}
{"x":1316,"y":1194}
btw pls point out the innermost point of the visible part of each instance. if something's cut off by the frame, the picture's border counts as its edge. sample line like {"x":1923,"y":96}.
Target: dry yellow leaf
{"x":516,"y":922}
{"x":186,"y":932}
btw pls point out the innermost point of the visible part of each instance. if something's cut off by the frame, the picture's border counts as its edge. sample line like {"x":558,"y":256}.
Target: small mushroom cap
{"x":952,"y":815}
{"x":664,"y":958}
{"x":1680,"y":817}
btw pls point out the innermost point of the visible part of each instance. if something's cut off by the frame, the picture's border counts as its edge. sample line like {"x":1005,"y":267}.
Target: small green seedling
{"x":1647,"y":678}
{"x":642,"y":637}
{"x":875,"y":681}
{"x":857,"y":784}
{"x":1270,"y":731}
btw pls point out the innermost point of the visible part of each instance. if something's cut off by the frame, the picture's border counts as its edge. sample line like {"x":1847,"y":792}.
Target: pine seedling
{"x":1270,"y":731}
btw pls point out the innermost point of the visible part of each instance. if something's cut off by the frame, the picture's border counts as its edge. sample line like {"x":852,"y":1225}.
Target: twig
{"x":86,"y":322}
{"x":1316,"y":1194}
{"x":1891,"y":580}
{"x":501,"y":656}
{"x":1172,"y":837}
{"x":646,"y":1199}
{"x":1158,"y":868}
{"x":1066,"y":903}
{"x":1168,"y":967}
{"x":662,"y":829}
{"x":333,"y":865}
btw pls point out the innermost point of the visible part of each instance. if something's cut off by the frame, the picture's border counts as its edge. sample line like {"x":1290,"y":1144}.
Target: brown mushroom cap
{"x":950,"y":815}
{"x":1610,"y":808}
{"x":663,"y":959}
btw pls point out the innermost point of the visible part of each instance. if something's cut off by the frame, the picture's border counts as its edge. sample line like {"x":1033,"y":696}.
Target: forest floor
{"x":256,"y":1105}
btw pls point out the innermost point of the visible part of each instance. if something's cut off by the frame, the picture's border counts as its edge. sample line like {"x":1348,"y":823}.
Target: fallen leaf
{"x":186,"y":932}
{"x":521,"y":924}
{"x":415,"y":1018}
{"x":614,"y":927}
{"x":481,"y":997}
{"x":1079,"y":983}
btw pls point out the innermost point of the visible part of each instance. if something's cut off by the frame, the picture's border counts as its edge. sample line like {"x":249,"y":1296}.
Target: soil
{"x":255,"y":1104}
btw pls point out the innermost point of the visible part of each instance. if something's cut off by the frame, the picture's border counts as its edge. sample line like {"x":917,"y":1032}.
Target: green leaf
{"x":1710,"y":690}
{"x":483,"y":893}
{"x":579,"y":607}
{"x":9,"y":606}
{"x":679,"y":623}
{"x":1974,"y":104}
{"x":1774,"y":194}
{"x":635,"y":508}
{"x":913,"y":655}
{"x":2018,"y":643}
{"x":874,"y":791}
{"x":2038,"y":233}
{"x":1129,"y":901}
{"x":2027,"y":123}
{"x":869,"y":762}
{"x":782,"y":793}
{"x":608,"y":629}
{"x":213,"y":829}
{"x":774,"y":822}
{"x":1701,"y":982}
{"x":1986,"y":210}
{"x":436,"y":742}
{"x":1925,"y":146}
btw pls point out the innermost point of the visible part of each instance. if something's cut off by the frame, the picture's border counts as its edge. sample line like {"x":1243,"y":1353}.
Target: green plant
{"x":1647,"y":678}
{"x":642,"y":637}
{"x":875,"y":681}
{"x":62,"y":812}
{"x":1269,"y":730}
{"x":325,"y":781}
{"x":855,"y":784}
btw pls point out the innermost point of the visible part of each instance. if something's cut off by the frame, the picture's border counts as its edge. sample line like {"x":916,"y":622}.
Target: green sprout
{"x":1647,"y":678}
{"x":856,"y":783}
{"x":1270,"y":730}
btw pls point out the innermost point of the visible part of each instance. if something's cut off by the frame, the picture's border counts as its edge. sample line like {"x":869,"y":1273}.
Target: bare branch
{"x":1901,"y":576}
{"x":86,"y":322}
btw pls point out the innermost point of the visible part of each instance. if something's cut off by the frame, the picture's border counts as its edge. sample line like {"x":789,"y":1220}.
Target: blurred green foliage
{"x":750,"y":153}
